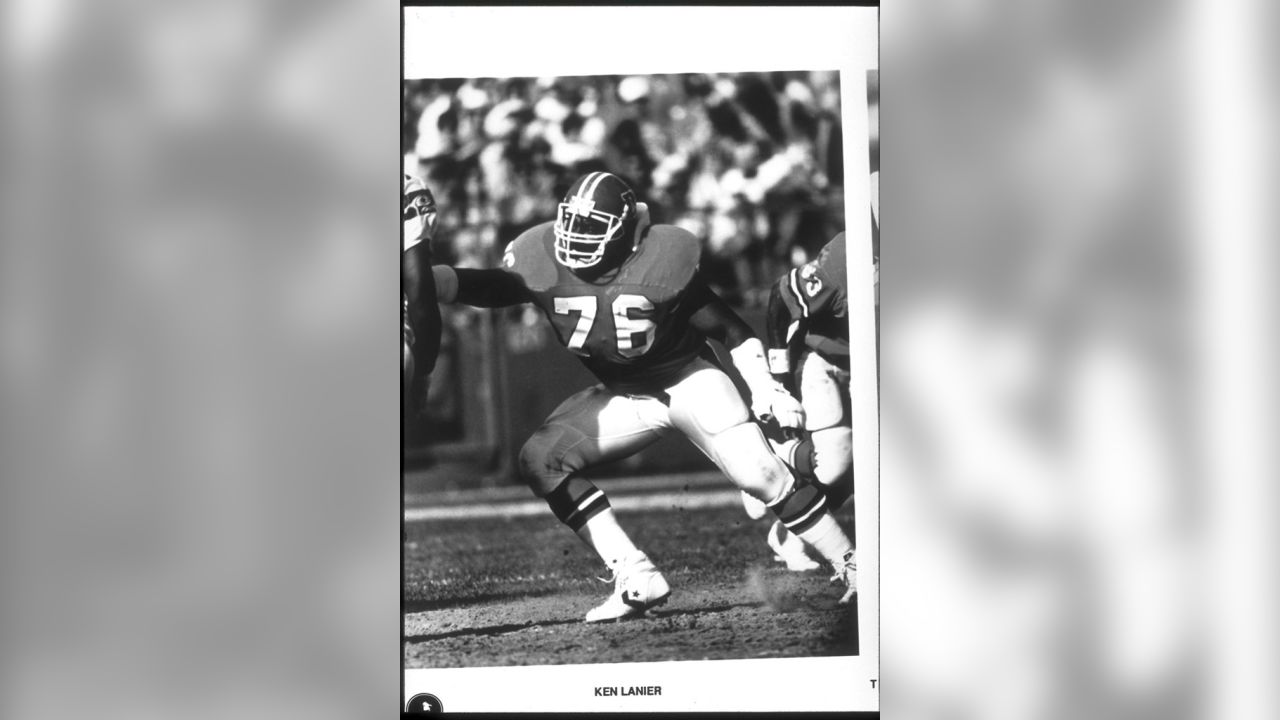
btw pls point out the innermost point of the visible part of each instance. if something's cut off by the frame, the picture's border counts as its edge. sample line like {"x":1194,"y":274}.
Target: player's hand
{"x":776,"y":434}
{"x":780,"y":405}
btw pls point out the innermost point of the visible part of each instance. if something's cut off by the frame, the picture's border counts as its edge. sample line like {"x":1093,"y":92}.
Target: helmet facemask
{"x":583,"y":233}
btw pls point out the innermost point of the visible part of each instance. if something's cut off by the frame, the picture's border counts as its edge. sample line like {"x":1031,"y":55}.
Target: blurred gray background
{"x":199,"y":378}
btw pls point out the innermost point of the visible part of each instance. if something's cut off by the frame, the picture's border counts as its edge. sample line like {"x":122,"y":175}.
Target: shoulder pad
{"x":832,"y":259}
{"x":668,"y":256}
{"x":530,"y":257}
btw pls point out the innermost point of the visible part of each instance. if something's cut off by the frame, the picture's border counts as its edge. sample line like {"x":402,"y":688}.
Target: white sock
{"x":828,"y":538}
{"x":604,"y":535}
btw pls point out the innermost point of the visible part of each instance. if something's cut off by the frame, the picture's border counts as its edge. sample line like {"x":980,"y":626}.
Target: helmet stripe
{"x":583,"y":191}
{"x":595,"y":184}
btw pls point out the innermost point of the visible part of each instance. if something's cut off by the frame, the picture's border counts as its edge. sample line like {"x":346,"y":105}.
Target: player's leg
{"x":707,"y":408}
{"x":824,"y":453}
{"x":824,"y":389}
{"x":592,"y":427}
{"x":406,"y":353}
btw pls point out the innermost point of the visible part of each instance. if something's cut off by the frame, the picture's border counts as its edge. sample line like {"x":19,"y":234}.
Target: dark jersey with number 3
{"x":816,"y":299}
{"x":629,"y":327}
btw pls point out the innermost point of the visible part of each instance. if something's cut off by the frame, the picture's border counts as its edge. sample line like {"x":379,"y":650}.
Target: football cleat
{"x":756,"y":509}
{"x":638,"y":587}
{"x":847,"y":573}
{"x":789,"y":549}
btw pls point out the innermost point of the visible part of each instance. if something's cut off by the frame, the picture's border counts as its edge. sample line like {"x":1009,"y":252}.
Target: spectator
{"x":751,"y":163}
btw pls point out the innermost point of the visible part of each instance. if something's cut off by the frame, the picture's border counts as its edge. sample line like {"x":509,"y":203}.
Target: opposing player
{"x":625,"y":297}
{"x":808,"y":336}
{"x":419,"y":309}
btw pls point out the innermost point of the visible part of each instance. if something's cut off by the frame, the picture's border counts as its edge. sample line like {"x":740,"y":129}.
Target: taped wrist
{"x":779,"y":361}
{"x":446,"y":283}
{"x":749,"y":359}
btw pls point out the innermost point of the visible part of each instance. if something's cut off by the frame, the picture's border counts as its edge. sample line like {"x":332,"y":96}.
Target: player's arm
{"x":715,"y":319}
{"x":480,"y":288}
{"x":424,"y":312}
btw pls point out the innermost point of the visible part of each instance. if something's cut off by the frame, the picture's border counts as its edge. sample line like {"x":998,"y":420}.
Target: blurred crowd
{"x":750,"y":163}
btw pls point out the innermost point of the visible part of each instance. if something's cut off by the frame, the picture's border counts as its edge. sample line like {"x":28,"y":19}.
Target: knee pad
{"x":549,"y":456}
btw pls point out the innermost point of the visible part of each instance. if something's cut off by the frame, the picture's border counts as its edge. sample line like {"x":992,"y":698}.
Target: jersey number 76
{"x":631,"y":318}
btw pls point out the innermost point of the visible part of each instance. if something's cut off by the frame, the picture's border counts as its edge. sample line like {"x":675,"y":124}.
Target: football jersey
{"x":628,"y":328}
{"x":817,"y":294}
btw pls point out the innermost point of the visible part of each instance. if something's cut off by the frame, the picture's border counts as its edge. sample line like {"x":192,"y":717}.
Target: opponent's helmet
{"x":596,"y":221}
{"x":418,"y":211}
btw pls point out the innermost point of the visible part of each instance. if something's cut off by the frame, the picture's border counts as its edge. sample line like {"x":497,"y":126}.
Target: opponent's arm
{"x":480,"y":288}
{"x":420,"y":217}
{"x":424,"y":312}
{"x":715,"y":319}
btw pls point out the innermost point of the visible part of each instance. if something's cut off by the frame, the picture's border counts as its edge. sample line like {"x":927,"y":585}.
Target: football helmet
{"x":418,"y":211}
{"x":595,"y":221}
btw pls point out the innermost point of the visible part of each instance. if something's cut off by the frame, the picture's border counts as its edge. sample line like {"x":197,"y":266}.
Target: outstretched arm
{"x":718,"y":321}
{"x":715,"y":319}
{"x":480,"y":288}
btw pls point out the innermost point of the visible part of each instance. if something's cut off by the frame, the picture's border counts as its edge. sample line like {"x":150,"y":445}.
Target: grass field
{"x":491,"y":578}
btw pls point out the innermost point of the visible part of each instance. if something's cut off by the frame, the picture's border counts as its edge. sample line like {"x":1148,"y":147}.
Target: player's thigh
{"x":824,"y":393}
{"x":707,"y":408}
{"x":705,"y":402}
{"x":592,"y":426}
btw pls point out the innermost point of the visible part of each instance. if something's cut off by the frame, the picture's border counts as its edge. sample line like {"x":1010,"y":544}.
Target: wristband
{"x":748,"y":358}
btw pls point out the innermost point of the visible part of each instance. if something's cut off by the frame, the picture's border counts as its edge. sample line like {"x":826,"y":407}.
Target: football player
{"x":419,"y":309}
{"x":808,"y":336}
{"x":626,"y":298}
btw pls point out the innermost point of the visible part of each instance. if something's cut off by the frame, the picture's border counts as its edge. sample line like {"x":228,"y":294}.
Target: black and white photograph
{"x":638,"y":354}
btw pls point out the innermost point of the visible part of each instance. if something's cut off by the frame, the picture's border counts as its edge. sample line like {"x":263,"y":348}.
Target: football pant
{"x":596,"y":426}
{"x":824,"y":393}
